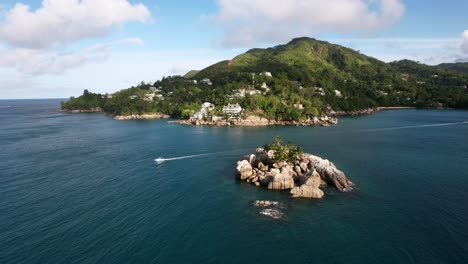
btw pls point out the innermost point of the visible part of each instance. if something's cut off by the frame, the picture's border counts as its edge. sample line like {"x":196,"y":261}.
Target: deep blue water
{"x":83,"y":188}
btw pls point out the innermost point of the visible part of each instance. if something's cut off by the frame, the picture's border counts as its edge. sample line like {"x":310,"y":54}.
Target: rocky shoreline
{"x":367,"y":111}
{"x":150,"y":116}
{"x":250,"y":121}
{"x":303,"y":178}
{"x":253,"y":121}
{"x":141,"y":117}
{"x":92,"y":110}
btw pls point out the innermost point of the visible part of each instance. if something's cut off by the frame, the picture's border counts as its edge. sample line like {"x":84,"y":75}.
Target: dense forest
{"x":318,"y":76}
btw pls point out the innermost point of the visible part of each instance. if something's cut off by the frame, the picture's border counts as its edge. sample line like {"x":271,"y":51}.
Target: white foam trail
{"x":418,"y":126}
{"x":162,"y":160}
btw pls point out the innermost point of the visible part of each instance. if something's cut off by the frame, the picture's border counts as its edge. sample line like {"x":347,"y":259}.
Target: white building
{"x":149,"y":97}
{"x":133,"y":97}
{"x":232,"y":109}
{"x":253,"y":92}
{"x":240,"y":92}
{"x":154,"y":89}
{"x":208,"y":106}
{"x":338,"y":93}
{"x":207,"y":81}
{"x":319,"y":90}
{"x":268,"y":74}
{"x":299,"y":106}
{"x":199,"y":115}
{"x":383,"y":93}
{"x":205,"y":108}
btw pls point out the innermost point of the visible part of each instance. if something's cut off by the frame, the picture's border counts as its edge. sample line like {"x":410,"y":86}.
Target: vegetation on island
{"x":295,"y":81}
{"x":459,"y":66}
{"x":286,"y":153}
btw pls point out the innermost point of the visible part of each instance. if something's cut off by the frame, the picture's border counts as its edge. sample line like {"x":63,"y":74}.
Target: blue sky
{"x":57,"y":48}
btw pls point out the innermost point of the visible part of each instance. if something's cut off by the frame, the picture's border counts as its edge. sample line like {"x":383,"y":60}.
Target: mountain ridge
{"x":316,"y":75}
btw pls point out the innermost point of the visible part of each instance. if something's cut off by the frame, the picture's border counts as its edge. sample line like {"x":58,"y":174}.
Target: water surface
{"x":83,"y":188}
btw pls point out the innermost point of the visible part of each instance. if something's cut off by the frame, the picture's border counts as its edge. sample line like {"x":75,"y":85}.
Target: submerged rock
{"x":273,"y":213}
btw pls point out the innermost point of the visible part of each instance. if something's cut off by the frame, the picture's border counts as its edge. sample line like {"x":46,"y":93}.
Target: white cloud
{"x":431,"y":51}
{"x":252,"y":21}
{"x":464,"y":45}
{"x":58,"y":22}
{"x":134,"y":41}
{"x":37,"y":62}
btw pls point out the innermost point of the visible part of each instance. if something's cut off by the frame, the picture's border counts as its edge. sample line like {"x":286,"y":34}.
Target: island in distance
{"x":286,"y":167}
{"x":303,"y":82}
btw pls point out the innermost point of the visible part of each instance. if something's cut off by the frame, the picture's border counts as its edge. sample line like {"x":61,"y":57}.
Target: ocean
{"x":83,"y":188}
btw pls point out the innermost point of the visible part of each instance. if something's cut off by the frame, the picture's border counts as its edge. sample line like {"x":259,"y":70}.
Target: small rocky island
{"x":279,"y":167}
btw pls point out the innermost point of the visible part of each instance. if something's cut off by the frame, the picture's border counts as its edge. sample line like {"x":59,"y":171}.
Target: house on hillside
{"x":240,"y":92}
{"x":149,"y":97}
{"x":299,"y":106}
{"x":205,"y":108}
{"x":338,"y":94}
{"x":208,"y":106}
{"x":404,"y":77}
{"x":232,"y":109}
{"x":265,"y":86}
{"x":207,"y":81}
{"x":253,"y":92}
{"x":319,"y":91}
{"x":267,"y":74}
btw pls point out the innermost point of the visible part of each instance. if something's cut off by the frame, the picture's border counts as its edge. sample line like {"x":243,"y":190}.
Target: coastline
{"x":369,"y":111}
{"x":383,"y":108}
{"x":250,"y":121}
{"x":256,"y":121}
{"x":77,"y":111}
{"x":140,"y":117}
{"x":98,"y":110}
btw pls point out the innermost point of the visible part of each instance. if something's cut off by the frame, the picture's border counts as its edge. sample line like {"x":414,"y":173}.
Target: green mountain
{"x":305,"y":60}
{"x":318,"y":75}
{"x":459,"y":67}
{"x":191,"y":74}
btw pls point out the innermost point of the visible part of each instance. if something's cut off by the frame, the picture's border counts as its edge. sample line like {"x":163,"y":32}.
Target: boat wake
{"x":418,"y":126}
{"x":161,"y":160}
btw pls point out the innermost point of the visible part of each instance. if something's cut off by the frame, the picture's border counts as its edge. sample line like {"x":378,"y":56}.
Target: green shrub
{"x":288,"y":153}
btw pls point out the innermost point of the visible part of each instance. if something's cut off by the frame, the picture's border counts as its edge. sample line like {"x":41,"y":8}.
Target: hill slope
{"x":358,"y":77}
{"x":459,"y":67}
{"x":303,"y":78}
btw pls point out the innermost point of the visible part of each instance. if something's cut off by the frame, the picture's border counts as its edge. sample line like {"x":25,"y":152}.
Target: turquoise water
{"x":82,"y":188}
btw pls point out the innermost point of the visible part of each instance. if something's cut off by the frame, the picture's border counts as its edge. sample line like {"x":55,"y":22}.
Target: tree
{"x":287,"y":153}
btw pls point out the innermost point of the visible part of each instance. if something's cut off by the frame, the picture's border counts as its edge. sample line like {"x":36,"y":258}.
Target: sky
{"x":58,"y":48}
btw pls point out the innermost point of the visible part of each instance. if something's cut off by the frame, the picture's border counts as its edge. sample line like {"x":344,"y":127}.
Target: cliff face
{"x":303,"y":177}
